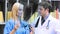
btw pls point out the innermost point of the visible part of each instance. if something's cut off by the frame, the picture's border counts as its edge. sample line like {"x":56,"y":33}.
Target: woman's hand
{"x":32,"y":30}
{"x":15,"y":28}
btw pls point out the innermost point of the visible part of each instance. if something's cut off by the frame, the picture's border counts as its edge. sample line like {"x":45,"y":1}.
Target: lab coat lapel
{"x":46,"y":22}
{"x":39,"y":25}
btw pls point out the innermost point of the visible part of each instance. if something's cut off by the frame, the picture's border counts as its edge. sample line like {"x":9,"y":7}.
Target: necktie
{"x":42,"y":21}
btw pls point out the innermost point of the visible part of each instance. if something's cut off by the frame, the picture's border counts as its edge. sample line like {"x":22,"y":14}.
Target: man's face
{"x":41,"y":10}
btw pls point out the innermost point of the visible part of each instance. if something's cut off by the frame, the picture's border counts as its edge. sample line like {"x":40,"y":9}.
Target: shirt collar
{"x":46,"y":17}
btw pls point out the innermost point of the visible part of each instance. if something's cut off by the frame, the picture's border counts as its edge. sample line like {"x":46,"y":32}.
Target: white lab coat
{"x":53,"y":27}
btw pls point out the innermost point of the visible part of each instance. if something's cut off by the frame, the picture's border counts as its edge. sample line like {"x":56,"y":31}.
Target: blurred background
{"x":30,"y":10}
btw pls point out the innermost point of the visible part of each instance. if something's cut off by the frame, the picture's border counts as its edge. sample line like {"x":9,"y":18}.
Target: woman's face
{"x":20,"y":11}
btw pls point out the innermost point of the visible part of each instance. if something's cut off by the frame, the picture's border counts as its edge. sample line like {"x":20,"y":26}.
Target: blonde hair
{"x":15,"y":8}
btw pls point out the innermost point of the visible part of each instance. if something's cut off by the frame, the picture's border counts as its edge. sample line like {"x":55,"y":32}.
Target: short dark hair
{"x":46,"y":5}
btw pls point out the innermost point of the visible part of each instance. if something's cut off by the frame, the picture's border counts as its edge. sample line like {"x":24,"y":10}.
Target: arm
{"x":7,"y":28}
{"x":32,"y":30}
{"x":15,"y":28}
{"x":13,"y":31}
{"x":10,"y":28}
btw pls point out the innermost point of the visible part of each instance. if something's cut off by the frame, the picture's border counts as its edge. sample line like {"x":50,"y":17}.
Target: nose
{"x":20,"y":13}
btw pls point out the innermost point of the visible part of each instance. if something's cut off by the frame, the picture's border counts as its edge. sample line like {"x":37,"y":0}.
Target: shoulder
{"x":23,"y":22}
{"x":54,"y":21}
{"x":35,"y":21}
{"x":9,"y":22}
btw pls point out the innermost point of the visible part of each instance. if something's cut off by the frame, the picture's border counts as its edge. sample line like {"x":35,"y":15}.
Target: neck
{"x":45,"y":15}
{"x":15,"y":18}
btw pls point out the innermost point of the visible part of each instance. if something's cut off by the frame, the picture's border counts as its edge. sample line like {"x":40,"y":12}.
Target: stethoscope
{"x":47,"y":27}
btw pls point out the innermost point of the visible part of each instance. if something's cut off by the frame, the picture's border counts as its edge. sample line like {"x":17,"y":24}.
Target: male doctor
{"x":46,"y":24}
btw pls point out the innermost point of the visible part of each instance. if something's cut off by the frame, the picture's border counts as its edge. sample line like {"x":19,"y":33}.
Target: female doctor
{"x":15,"y":25}
{"x":46,"y":24}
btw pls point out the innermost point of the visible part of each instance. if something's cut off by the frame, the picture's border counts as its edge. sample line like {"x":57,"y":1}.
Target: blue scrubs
{"x":23,"y":29}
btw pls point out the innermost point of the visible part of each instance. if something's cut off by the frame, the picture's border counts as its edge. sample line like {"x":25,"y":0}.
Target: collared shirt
{"x":46,"y":17}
